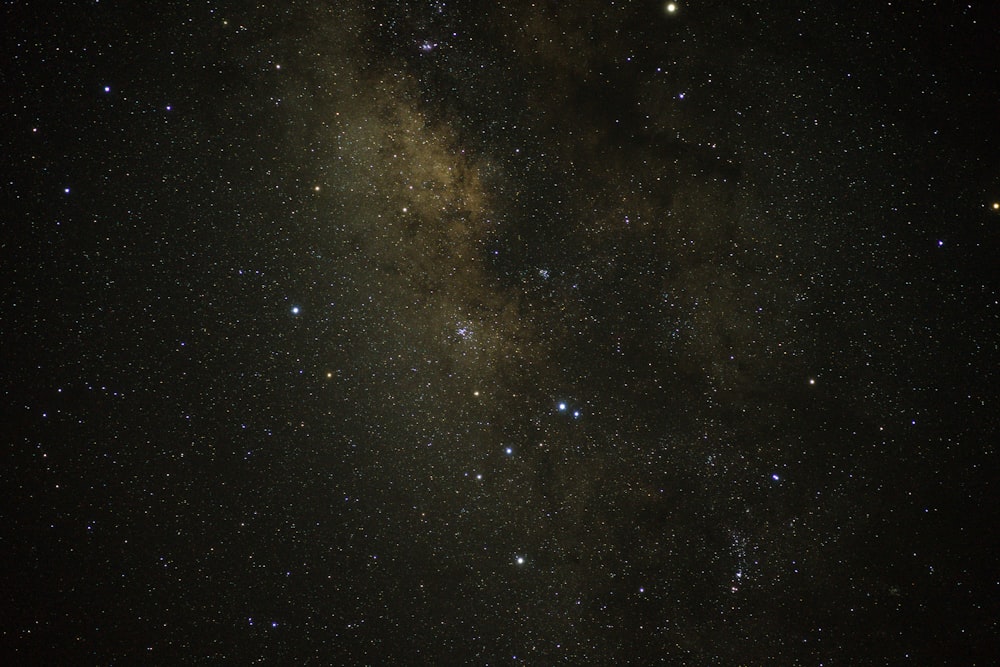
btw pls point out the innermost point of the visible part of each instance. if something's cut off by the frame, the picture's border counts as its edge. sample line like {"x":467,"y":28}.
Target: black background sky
{"x":498,"y":333}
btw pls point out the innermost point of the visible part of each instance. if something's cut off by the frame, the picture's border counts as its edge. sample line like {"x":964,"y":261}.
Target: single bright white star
{"x":671,"y":7}
{"x":562,"y":407}
{"x":519,"y":560}
{"x":295,"y":310}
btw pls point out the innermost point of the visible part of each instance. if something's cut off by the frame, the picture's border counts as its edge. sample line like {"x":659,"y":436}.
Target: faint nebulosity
{"x":447,"y":333}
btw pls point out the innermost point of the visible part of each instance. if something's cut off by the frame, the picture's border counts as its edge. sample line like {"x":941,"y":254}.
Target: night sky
{"x":449,"y":333}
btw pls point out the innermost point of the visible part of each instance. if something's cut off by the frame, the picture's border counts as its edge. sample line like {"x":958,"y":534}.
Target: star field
{"x":520,"y":333}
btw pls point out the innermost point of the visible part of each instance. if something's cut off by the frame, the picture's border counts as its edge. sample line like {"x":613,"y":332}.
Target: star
{"x":671,"y":8}
{"x":295,"y":310}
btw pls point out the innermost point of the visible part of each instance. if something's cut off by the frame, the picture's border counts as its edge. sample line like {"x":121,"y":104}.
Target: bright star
{"x":671,"y":8}
{"x":295,"y":310}
{"x":562,"y":407}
